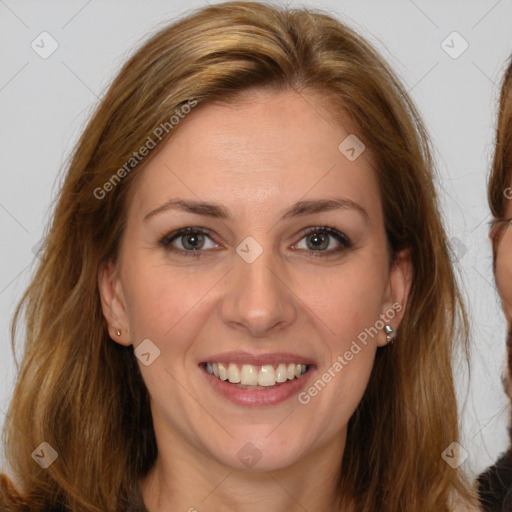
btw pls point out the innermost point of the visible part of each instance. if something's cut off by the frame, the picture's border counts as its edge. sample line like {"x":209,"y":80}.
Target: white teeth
{"x":267,"y":376}
{"x":233,"y":373}
{"x":223,"y":373}
{"x":250,"y":375}
{"x":281,"y":373}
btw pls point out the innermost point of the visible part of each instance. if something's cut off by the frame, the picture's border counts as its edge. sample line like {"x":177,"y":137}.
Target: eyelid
{"x":343,"y":240}
{"x":166,"y":239}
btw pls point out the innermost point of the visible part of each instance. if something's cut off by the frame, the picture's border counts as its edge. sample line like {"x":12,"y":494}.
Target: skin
{"x":504,"y":264}
{"x":256,"y":158}
{"x":503,"y":244}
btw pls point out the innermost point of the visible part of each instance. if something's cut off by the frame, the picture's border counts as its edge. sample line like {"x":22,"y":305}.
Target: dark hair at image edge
{"x":83,"y":393}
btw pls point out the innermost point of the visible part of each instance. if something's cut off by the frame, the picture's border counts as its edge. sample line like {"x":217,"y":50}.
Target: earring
{"x":118,"y":332}
{"x":390,"y":334}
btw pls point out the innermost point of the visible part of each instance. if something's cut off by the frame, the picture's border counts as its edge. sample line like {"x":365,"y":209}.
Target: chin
{"x":259,"y":454}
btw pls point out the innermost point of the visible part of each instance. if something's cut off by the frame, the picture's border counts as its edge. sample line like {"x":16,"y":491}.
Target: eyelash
{"x":167,"y":240}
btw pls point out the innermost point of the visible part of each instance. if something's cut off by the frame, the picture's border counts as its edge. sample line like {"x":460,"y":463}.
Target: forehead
{"x":261,"y":150}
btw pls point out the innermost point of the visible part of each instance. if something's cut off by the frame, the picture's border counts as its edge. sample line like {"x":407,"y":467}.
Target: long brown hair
{"x":83,"y":394}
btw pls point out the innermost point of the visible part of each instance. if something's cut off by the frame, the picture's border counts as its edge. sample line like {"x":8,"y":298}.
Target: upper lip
{"x":257,"y":359}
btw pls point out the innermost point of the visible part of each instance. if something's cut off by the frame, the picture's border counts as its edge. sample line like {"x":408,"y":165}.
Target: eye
{"x":192,"y":241}
{"x":319,"y":241}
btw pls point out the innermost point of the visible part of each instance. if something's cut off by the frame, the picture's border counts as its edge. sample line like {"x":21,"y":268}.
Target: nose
{"x":259,"y":300}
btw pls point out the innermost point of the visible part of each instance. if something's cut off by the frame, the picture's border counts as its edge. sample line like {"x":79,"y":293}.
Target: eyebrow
{"x":299,"y":209}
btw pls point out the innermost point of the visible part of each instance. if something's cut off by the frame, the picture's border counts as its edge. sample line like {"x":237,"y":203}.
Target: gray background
{"x":46,"y":102}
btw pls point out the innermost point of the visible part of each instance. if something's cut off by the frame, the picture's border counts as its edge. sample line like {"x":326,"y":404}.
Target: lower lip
{"x":258,"y":397}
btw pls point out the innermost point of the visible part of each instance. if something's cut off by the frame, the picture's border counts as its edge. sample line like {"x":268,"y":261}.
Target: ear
{"x":397,"y":294}
{"x":113,"y":303}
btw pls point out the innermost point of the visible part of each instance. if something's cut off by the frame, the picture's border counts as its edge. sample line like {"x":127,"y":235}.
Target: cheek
{"x":162,"y":300}
{"x":345,"y":306}
{"x":347,"y":299}
{"x":349,"y":305}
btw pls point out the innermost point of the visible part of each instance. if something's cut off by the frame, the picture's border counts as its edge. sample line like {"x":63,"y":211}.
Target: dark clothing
{"x":495,"y":485}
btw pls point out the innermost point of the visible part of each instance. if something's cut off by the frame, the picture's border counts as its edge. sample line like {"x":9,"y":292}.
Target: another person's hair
{"x":495,"y":484}
{"x":83,"y":393}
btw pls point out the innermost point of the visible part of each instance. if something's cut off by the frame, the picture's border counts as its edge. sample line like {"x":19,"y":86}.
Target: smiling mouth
{"x":248,"y":376}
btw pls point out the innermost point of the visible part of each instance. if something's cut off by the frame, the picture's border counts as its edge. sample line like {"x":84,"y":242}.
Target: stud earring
{"x":390,"y":334}
{"x":118,"y":332}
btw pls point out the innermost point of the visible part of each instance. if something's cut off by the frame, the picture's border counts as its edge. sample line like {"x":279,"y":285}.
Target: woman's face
{"x":504,"y":260}
{"x":284,"y":265}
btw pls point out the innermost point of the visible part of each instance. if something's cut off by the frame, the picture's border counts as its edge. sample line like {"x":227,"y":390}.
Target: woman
{"x":246,"y":300}
{"x":495,"y":484}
